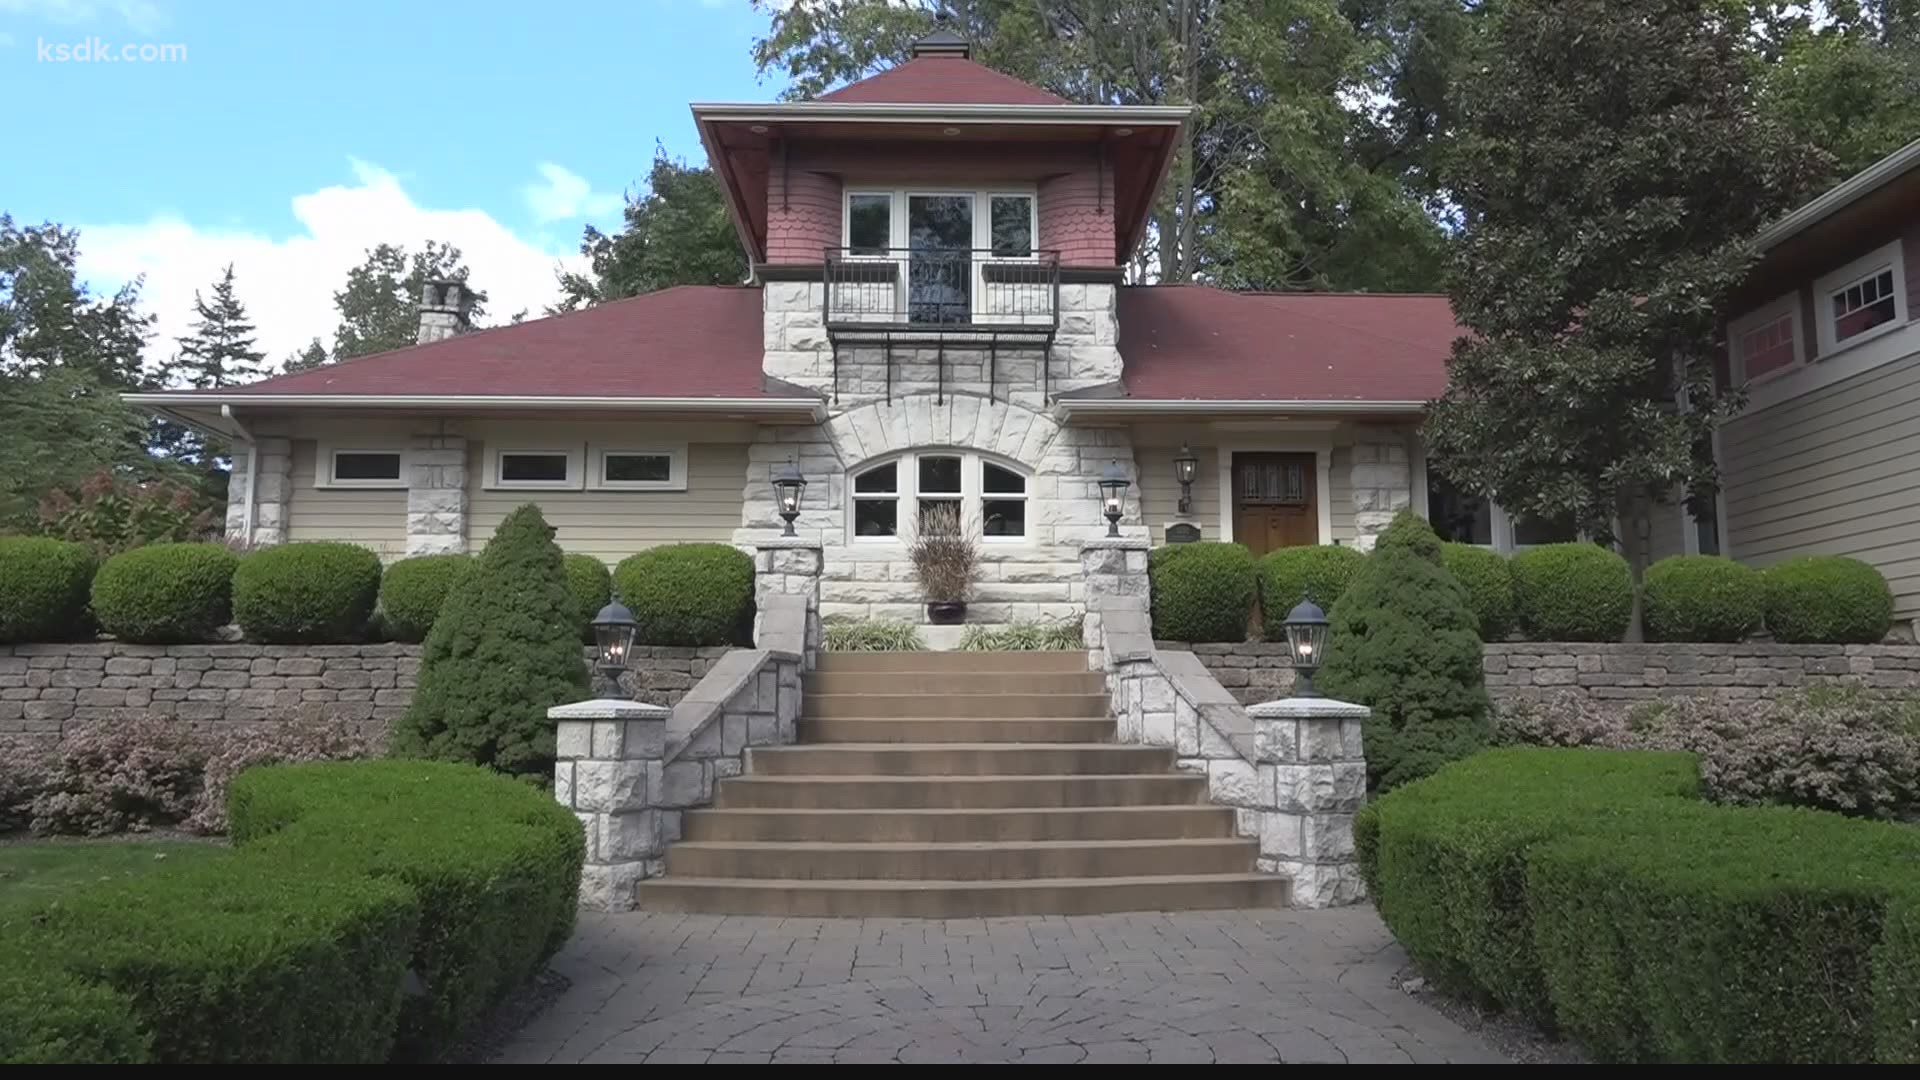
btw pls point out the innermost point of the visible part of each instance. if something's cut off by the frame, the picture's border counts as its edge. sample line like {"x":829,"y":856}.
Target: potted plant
{"x":944,"y":562}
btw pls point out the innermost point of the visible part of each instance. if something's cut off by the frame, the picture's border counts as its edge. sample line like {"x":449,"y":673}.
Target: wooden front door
{"x":1274,"y":501}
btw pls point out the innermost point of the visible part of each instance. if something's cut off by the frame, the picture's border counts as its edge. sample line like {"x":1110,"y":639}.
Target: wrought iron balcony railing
{"x":916,"y":289}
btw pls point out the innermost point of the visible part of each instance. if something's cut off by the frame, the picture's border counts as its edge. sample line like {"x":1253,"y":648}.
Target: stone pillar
{"x":789,"y":566}
{"x":1382,"y":481}
{"x":437,"y":495}
{"x":271,"y":490}
{"x":1115,"y":573}
{"x":1312,"y":779}
{"x":609,"y":758}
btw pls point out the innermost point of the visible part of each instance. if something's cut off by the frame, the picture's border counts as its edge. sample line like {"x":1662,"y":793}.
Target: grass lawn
{"x":38,"y":871}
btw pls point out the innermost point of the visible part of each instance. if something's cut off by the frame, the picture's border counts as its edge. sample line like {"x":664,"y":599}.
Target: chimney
{"x":443,"y":310}
{"x":944,"y":41}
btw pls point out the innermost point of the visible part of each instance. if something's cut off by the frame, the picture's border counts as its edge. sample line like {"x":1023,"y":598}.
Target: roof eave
{"x":1067,"y":408}
{"x":858,"y":112}
{"x":1839,"y":197}
{"x":813,"y":408}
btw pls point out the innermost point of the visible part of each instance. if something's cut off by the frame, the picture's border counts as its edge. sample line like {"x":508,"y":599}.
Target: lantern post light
{"x":614,"y":629}
{"x":1113,"y":493}
{"x":1185,"y":468}
{"x":1306,"y":627}
{"x":788,"y":484}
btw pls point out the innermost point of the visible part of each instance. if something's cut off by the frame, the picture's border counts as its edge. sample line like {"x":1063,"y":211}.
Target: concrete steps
{"x":958,"y":785}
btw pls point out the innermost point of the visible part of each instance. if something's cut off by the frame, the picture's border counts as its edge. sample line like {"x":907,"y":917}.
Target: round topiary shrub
{"x":590,"y":584}
{"x":1827,"y":600}
{"x":689,"y":594}
{"x":317,"y":592}
{"x":43,"y":588}
{"x":413,"y":590}
{"x":1701,"y":598}
{"x":1201,"y":592}
{"x":1319,"y":571}
{"x":1489,"y":584}
{"x":165,"y":594}
{"x":1572,"y":592}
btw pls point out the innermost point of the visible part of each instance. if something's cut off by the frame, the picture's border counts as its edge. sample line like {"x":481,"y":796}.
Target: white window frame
{"x":573,"y":454}
{"x":675,"y":453}
{"x":906,"y":495}
{"x":323,"y":467}
{"x":1888,"y":256}
{"x":1788,"y":305}
{"x":982,"y":215}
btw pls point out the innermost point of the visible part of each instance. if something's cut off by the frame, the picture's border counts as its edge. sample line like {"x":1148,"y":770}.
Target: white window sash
{"x":497,"y":456}
{"x":324,"y":467}
{"x":907,"y":496}
{"x":1787,"y":305}
{"x":1888,"y":257}
{"x":675,"y":454}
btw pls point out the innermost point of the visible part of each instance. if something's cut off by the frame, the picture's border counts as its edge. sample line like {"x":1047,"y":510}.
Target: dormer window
{"x":1002,"y":223}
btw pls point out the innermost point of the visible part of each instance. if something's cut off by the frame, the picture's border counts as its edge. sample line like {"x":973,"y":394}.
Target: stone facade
{"x":1381,"y":479}
{"x":1519,"y":671}
{"x":1310,"y":751}
{"x":272,"y":490}
{"x":788,"y":566}
{"x":44,"y":688}
{"x":436,"y":471}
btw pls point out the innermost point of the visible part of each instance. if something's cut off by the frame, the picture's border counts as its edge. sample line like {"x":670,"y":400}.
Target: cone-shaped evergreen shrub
{"x":1404,"y":644}
{"x":503,"y":651}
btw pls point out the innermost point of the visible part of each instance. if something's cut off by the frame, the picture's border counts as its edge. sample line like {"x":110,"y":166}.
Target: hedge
{"x":1591,"y":890}
{"x":371,"y":911}
{"x":412,"y":590}
{"x":1201,"y":592}
{"x":689,"y":594}
{"x":165,"y":594}
{"x":590,"y":584}
{"x":1572,"y":592}
{"x":1488,"y":579}
{"x":43,"y":588}
{"x":1319,"y":571}
{"x":1701,"y":598}
{"x":1827,"y":600}
{"x":314,"y":592}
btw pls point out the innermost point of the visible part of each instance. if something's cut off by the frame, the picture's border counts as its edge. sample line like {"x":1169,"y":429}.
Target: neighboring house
{"x":936,"y":316}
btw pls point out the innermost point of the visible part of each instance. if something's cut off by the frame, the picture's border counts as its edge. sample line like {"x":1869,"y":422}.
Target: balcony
{"x":890,"y":294}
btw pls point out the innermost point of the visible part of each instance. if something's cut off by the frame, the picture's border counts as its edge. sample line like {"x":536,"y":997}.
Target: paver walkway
{"x":1241,"y":986}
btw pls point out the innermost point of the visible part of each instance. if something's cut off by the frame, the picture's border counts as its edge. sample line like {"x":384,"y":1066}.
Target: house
{"x":937,"y":318}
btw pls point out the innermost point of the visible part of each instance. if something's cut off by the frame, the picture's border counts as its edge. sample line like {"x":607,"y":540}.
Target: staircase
{"x":956,"y":785}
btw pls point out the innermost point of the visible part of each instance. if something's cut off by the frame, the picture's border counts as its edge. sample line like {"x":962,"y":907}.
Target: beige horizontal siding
{"x":1835,"y":472}
{"x":615,"y":524}
{"x":373,"y":517}
{"x":1160,"y":493}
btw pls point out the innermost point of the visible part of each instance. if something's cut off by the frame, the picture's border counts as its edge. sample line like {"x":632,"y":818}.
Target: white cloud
{"x":564,"y":195}
{"x":287,"y":283}
{"x":141,"y":15}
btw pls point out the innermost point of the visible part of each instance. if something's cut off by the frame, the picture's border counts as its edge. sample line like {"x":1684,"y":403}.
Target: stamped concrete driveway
{"x":1242,"y":986}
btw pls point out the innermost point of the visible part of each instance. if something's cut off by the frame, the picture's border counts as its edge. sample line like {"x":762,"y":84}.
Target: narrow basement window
{"x":365,"y":468}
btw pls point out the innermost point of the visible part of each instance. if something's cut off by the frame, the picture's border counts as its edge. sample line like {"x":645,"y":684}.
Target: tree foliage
{"x":379,"y":305}
{"x":677,"y":233}
{"x":217,"y":351}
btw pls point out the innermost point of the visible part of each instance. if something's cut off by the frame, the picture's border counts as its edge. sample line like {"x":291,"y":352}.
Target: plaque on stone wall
{"x":1182,"y":534}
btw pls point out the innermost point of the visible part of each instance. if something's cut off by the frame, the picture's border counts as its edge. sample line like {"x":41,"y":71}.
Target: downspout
{"x":253,"y":470}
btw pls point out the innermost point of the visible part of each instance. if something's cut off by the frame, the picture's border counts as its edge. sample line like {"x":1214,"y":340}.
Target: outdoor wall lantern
{"x":613,"y":632}
{"x":1306,"y":644}
{"x":787,"y":486}
{"x":1113,"y":494}
{"x":1185,"y":468}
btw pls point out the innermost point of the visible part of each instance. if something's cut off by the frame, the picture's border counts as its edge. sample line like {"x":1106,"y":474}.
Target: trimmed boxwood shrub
{"x":1489,"y":584}
{"x":1572,"y":592}
{"x":1403,"y":644}
{"x":1592,"y":889}
{"x":504,"y":650}
{"x":43,"y":588}
{"x":1701,"y":598}
{"x":346,"y":877}
{"x":689,"y":594}
{"x":314,"y":592}
{"x":165,"y":594}
{"x":590,"y":584}
{"x":1827,"y":600}
{"x":413,"y":590}
{"x":1201,"y":592}
{"x":1320,"y":571}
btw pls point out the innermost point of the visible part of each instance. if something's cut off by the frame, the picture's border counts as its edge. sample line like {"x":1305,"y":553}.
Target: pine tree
{"x":503,"y":650}
{"x":1404,"y":643}
{"x":219,"y":351}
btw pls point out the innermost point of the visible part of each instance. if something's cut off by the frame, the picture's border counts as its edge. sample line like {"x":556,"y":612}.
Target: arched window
{"x":890,"y":499}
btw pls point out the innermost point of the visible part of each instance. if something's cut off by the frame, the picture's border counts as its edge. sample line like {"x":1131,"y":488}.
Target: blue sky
{"x":291,"y":136}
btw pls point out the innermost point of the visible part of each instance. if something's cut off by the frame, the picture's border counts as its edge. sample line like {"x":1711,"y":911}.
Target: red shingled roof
{"x":942,"y":80}
{"x":692,"y":341}
{"x":1193,"y":343}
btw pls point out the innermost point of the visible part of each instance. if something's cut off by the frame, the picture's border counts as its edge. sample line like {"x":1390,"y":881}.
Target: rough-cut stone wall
{"x":272,"y":488}
{"x":45,"y":687}
{"x":1381,"y":479}
{"x":436,"y":471}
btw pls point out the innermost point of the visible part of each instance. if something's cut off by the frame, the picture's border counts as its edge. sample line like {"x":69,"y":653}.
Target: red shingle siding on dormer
{"x":803,"y":215}
{"x":1076,"y":218}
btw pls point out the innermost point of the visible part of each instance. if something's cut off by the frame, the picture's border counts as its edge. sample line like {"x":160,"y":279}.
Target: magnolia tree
{"x":1611,"y":166}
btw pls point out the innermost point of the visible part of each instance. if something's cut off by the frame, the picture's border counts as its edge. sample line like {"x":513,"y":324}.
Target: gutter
{"x":810,"y":407}
{"x":1070,"y":407}
{"x":253,"y":470}
{"x":1861,"y":184}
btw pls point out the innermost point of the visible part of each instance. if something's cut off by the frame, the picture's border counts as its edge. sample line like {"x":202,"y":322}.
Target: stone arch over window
{"x":891,"y":498}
